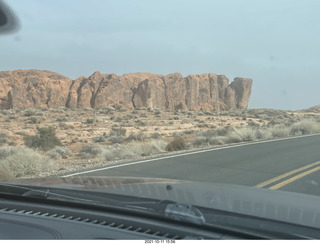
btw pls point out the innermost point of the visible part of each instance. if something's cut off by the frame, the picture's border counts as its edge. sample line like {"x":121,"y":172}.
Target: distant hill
{"x":312,"y":109}
{"x":41,"y":88}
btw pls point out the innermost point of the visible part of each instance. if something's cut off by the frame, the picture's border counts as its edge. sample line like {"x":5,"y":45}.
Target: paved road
{"x":290,"y":164}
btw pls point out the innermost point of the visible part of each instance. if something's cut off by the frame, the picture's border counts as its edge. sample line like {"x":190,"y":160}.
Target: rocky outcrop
{"x":35,"y":88}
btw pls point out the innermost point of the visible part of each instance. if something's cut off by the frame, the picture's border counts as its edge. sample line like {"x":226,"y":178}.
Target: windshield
{"x":222,"y":93}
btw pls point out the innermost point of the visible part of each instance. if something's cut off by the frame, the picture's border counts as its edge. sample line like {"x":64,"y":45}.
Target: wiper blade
{"x":34,"y":192}
{"x":80,"y":196}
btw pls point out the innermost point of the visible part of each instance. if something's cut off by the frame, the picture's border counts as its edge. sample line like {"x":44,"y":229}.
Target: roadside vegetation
{"x":128,"y":151}
{"x":45,"y":139}
{"x":256,"y":133}
{"x":51,"y":141}
{"x":17,"y":162}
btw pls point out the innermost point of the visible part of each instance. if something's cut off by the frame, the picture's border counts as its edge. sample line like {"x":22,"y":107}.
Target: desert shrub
{"x":62,"y":119}
{"x":118,"y":119}
{"x":273,"y":122}
{"x":45,"y":139}
{"x":216,"y":141}
{"x":12,"y":116}
{"x":58,"y":152}
{"x":140,"y":136}
{"x":117,"y":135}
{"x":155,"y":136}
{"x":263,"y":134}
{"x":246,"y":133}
{"x":147,"y":148}
{"x":140,"y":122}
{"x":99,"y":139}
{"x":241,"y":135}
{"x":90,"y":121}
{"x":116,"y":139}
{"x":215,"y":132}
{"x":116,"y":152}
{"x":128,"y":116}
{"x":134,"y":112}
{"x":207,"y":133}
{"x":6,"y":112}
{"x":24,"y":162}
{"x":223,"y":131}
{"x":90,"y":151}
{"x":3,"y":138}
{"x":29,"y":112}
{"x":253,"y":124}
{"x":157,"y":112}
{"x":304,"y":127}
{"x":233,"y":138}
{"x":7,"y":151}
{"x":39,"y":113}
{"x":118,"y":132}
{"x":33,"y":120}
{"x":132,"y":150}
{"x":176,"y":145}
{"x":176,"y":134}
{"x":200,"y":141}
{"x":279,"y":131}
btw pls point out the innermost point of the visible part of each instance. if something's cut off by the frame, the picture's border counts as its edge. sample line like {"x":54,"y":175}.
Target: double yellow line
{"x":292,"y":179}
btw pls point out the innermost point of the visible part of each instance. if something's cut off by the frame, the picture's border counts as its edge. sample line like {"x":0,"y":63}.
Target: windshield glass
{"x":222,"y":93}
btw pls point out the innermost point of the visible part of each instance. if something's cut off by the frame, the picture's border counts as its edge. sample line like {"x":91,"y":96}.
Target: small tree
{"x":46,"y":139}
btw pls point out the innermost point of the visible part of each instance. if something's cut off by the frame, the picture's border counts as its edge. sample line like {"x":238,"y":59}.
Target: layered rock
{"x":35,"y":88}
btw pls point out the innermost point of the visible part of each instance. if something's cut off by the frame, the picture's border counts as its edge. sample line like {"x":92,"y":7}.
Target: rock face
{"x":35,"y":88}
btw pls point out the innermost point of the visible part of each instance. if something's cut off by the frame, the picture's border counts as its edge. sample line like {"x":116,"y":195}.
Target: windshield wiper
{"x":83,"y":197}
{"x":34,"y":192}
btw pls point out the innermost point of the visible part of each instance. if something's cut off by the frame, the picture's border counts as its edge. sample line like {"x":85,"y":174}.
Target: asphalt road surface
{"x":286,"y":164}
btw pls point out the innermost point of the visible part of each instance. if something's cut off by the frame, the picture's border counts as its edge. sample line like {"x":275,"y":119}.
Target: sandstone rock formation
{"x":35,"y":88}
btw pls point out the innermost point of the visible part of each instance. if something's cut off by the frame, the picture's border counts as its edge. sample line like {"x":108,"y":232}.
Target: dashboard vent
{"x":154,"y":233}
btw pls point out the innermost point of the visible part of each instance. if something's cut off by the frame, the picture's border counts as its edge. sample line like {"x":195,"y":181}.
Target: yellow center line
{"x":286,"y":174}
{"x":281,"y":184}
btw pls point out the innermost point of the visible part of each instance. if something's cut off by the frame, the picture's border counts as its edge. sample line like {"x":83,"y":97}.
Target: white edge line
{"x":184,"y":154}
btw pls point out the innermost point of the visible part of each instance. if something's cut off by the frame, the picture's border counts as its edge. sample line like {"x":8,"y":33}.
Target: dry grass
{"x":255,"y":133}
{"x":131,"y":150}
{"x":24,"y":162}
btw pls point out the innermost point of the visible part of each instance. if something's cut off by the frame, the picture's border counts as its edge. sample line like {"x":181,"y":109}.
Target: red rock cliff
{"x":35,"y":88}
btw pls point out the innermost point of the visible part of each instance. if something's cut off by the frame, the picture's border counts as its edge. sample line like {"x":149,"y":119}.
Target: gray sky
{"x":274,"y":42}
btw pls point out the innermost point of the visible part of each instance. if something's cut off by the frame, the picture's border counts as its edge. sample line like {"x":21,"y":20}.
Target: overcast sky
{"x":274,"y":42}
